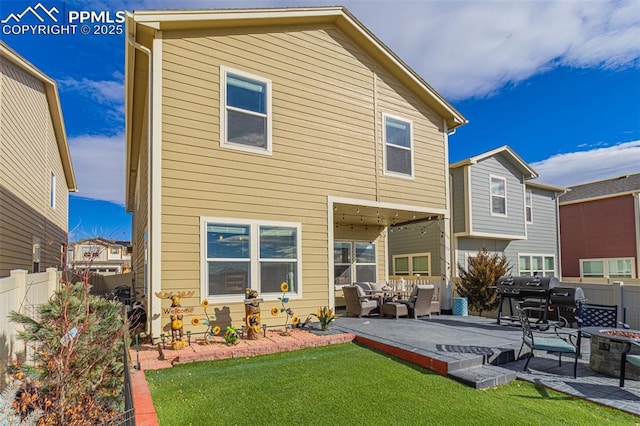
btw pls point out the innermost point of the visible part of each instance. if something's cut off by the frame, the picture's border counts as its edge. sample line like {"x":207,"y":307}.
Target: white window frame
{"x":528,"y":205}
{"x":388,"y":172}
{"x":605,"y":266}
{"x":52,"y":191}
{"x":410,"y":257}
{"x":254,"y":259}
{"x":543,"y":271}
{"x":349,"y":264}
{"x":224,"y":71}
{"x":491,"y":195}
{"x":355,"y":263}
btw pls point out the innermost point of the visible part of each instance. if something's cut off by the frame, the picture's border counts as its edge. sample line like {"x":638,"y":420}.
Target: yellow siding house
{"x":271,"y":145}
{"x":36,"y":174}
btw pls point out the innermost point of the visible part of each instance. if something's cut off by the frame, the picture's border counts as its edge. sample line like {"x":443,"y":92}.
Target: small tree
{"x":483,"y":273}
{"x":78,"y":353}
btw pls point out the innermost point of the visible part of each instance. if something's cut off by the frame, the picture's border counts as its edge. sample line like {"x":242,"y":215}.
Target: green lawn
{"x":351,"y":385}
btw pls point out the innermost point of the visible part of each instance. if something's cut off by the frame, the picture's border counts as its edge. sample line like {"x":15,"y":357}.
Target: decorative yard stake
{"x":177,"y":339}
{"x":212,"y":330}
{"x":284,"y":288}
{"x":252,"y":313}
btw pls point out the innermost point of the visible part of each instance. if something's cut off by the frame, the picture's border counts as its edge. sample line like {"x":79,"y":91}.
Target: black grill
{"x":566,"y":301}
{"x":566,"y":296}
{"x":531,"y":292}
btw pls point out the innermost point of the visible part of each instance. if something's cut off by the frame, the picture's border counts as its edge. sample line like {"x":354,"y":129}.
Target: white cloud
{"x":98,"y":163}
{"x":108,"y":93}
{"x":472,"y":49}
{"x":587,"y":166}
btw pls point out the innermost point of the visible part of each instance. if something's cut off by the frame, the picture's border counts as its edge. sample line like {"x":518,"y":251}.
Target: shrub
{"x":476,"y":282}
{"x":77,"y":342}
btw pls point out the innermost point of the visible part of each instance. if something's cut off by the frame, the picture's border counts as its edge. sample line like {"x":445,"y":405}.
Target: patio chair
{"x":592,"y":315}
{"x":358,"y":303}
{"x":550,"y":342}
{"x":628,"y":358}
{"x":419,"y":302}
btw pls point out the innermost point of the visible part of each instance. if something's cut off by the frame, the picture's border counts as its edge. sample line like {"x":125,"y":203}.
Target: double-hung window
{"x":528,"y":205}
{"x":397,"y":134}
{"x":498,"y":196}
{"x":241,"y":254}
{"x":245,"y":111}
{"x":354,"y":261}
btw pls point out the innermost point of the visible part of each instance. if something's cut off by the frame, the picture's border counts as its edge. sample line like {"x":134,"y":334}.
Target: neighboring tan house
{"x":495,"y":204}
{"x":600,"y":228}
{"x":36,"y":174}
{"x":271,"y":145}
{"x":100,"y":255}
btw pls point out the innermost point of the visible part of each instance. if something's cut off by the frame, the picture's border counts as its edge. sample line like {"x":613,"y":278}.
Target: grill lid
{"x":567,"y":295}
{"x":508,"y":284}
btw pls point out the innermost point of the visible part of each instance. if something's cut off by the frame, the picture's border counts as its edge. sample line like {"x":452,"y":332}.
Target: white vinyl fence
{"x":626,"y":296}
{"x":22,"y":292}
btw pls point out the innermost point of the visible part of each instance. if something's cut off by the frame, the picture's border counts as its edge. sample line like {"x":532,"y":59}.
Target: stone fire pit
{"x":607,"y":346}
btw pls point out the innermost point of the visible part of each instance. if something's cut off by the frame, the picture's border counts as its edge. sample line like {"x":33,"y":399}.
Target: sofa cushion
{"x":361,"y":292}
{"x":377,"y":286}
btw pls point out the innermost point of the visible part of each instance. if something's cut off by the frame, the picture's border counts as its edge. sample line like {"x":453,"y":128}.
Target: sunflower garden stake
{"x":212,"y":330}
{"x":284,"y":288}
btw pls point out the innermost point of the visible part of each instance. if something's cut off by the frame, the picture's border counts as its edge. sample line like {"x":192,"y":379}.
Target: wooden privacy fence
{"x":22,"y":292}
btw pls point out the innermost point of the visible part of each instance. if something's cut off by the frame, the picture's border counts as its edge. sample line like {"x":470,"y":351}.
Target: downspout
{"x":559,"y":236}
{"x":155,"y":307}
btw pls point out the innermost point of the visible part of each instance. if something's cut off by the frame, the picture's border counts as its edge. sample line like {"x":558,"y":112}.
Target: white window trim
{"x":410,"y":257}
{"x":542,"y":255}
{"x":491,"y":195}
{"x":355,"y":264}
{"x":224,"y":70}
{"x":530,"y":192}
{"x":605,"y":266}
{"x":254,"y":259}
{"x":411,"y":147}
{"x":351,"y":244}
{"x":52,"y":191}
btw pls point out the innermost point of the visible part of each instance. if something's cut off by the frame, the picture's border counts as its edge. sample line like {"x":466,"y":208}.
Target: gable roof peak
{"x":506,"y":151}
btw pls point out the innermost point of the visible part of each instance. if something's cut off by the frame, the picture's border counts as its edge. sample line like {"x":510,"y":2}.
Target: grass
{"x":351,"y":385}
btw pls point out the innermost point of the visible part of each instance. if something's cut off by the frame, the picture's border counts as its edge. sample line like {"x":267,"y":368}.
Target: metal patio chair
{"x":550,"y":342}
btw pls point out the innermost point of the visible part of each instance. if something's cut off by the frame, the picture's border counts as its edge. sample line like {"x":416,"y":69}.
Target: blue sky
{"x":559,"y":82}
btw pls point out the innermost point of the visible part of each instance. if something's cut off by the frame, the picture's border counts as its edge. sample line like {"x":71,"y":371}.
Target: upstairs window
{"x":528,"y":205}
{"x":52,"y":191}
{"x":245,"y":111}
{"x":498,"y":196}
{"x":398,"y":142}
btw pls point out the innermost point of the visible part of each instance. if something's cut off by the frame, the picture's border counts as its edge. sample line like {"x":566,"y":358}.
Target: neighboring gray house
{"x":494,"y":203}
